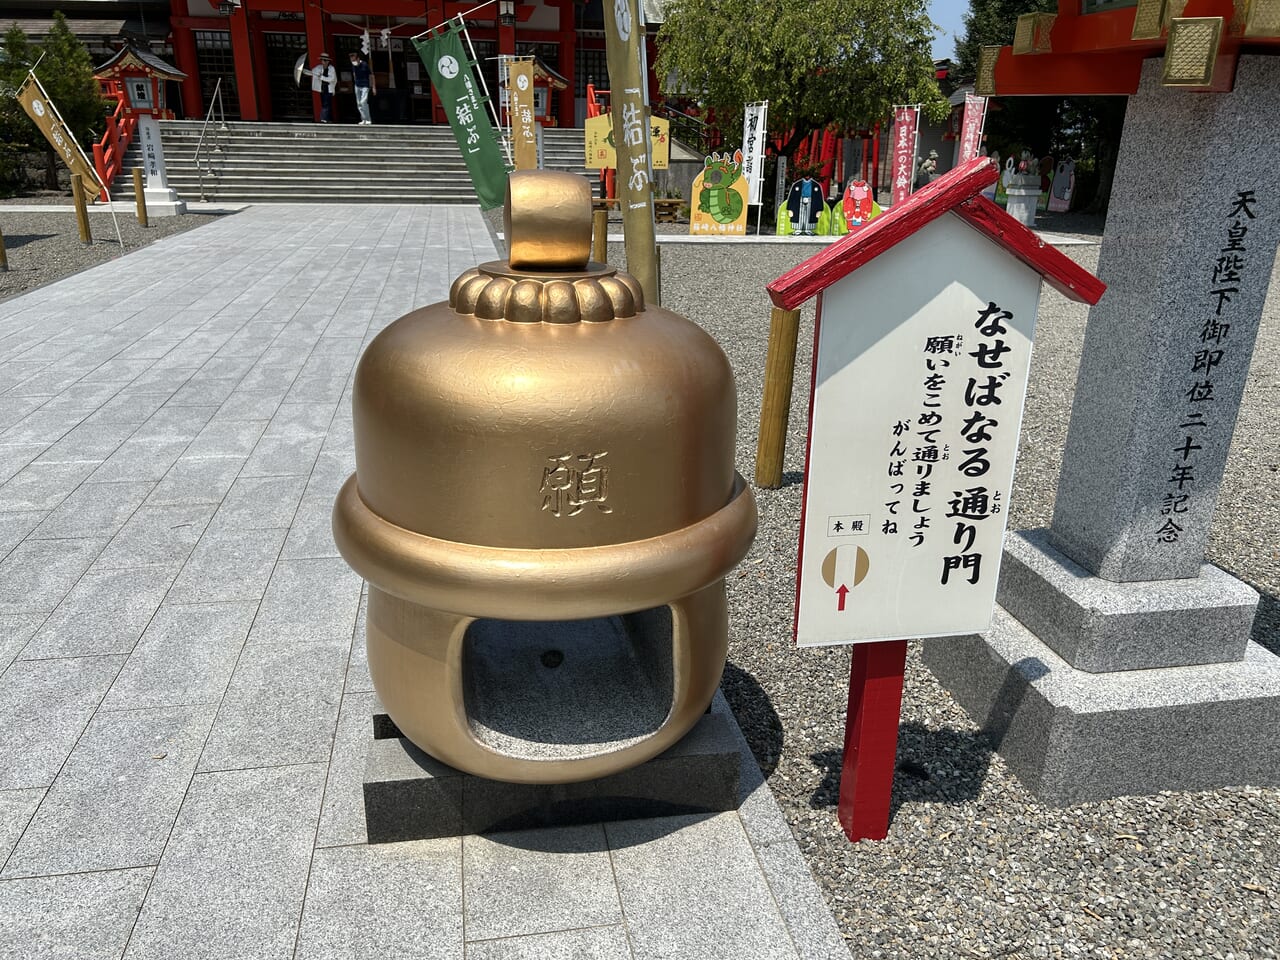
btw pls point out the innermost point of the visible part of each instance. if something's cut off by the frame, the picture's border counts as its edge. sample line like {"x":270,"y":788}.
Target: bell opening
{"x":567,"y":689}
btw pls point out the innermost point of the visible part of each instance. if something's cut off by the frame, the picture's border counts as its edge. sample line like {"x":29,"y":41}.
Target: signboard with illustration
{"x":1064,"y":184}
{"x":719,"y":197}
{"x":859,"y":206}
{"x":598,"y":137}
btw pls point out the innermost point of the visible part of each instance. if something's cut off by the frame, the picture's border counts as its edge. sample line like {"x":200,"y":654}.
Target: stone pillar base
{"x":1100,"y":625}
{"x":164,"y":203}
{"x":1073,"y":737}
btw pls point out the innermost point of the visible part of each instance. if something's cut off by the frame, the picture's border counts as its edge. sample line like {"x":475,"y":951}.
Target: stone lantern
{"x":545,"y":506}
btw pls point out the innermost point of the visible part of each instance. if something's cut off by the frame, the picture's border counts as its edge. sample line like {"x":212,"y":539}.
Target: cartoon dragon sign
{"x":722,"y":197}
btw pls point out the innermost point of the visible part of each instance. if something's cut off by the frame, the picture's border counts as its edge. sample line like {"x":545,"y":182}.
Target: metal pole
{"x":780,"y":368}
{"x":140,"y":197}
{"x":82,"y":212}
{"x":4,"y":258}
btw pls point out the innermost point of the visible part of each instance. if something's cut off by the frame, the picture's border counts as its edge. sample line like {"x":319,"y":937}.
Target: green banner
{"x":451,"y":74}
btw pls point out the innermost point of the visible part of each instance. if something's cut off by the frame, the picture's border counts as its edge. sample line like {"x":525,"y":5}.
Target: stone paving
{"x":184,"y":701}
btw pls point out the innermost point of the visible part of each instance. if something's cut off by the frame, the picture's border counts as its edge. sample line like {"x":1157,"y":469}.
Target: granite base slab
{"x":409,"y":795}
{"x":1071,"y":736}
{"x":1100,"y":625}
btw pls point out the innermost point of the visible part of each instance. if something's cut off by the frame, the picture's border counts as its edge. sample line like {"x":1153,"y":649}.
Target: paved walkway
{"x":184,"y":701}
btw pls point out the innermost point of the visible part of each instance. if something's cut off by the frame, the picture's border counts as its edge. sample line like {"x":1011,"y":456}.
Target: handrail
{"x":695,"y":132}
{"x":108,"y":154}
{"x":214,"y":101}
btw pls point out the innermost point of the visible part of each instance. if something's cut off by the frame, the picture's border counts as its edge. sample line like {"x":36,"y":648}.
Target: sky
{"x":947,"y":14}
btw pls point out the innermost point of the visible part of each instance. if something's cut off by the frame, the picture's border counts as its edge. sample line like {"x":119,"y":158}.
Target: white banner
{"x":755,"y":130}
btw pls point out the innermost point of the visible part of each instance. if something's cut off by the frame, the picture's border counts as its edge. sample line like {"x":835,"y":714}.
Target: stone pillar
{"x":1118,"y":661}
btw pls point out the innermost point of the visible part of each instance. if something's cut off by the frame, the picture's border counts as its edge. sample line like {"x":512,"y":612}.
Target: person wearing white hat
{"x":324,"y":80}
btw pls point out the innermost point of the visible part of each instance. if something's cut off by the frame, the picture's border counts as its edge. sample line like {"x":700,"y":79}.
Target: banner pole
{"x":493,"y":110}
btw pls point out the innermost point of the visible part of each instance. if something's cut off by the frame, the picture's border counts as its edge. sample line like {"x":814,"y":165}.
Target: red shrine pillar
{"x":435,"y":16}
{"x":566,"y":66}
{"x":317,"y":43}
{"x":242,"y":53}
{"x":186,"y":59}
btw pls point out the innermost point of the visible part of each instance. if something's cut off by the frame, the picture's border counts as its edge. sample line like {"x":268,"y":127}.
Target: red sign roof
{"x":959,"y":192}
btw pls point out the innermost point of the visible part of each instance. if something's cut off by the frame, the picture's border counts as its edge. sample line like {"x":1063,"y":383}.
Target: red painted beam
{"x":1067,"y":74}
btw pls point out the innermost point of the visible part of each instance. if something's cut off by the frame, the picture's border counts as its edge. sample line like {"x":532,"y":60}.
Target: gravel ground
{"x":43,"y":247}
{"x":973,"y":865}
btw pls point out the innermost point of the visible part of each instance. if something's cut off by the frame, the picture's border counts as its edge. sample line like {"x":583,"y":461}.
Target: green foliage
{"x":67,"y":74}
{"x":819,"y":63}
{"x":990,"y":23}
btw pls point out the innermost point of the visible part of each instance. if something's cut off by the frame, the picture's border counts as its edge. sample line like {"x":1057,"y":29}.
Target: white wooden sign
{"x":921,"y":371}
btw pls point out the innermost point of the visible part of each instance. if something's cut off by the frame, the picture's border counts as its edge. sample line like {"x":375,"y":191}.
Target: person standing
{"x":324,"y":80}
{"x":365,"y":84}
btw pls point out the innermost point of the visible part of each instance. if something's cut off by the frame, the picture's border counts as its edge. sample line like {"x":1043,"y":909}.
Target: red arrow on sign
{"x":842,"y":591}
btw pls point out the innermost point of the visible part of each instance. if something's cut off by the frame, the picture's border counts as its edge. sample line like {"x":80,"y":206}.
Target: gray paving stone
{"x":105,"y":612}
{"x":37,"y":574}
{"x":358,"y":678}
{"x":331,"y":471}
{"x":808,"y":918}
{"x":283,"y":456}
{"x":232,"y":879}
{"x":186,"y":656}
{"x":196,"y":480}
{"x":176,"y":422}
{"x":37,"y":924}
{"x":311,"y":533}
{"x":704,"y":871}
{"x":399,"y":900}
{"x":44,"y":706}
{"x":16,"y":629}
{"x":200,"y":391}
{"x":93,"y":510}
{"x":244,"y":404}
{"x":115,"y":801}
{"x":309,"y":601}
{"x":15,"y":456}
{"x":594,"y":943}
{"x":281,"y":706}
{"x":537,"y":881}
{"x":15,"y":526}
{"x":259,"y":503}
{"x":134,"y":405}
{"x":140,"y":459}
{"x":342,"y":819}
{"x":16,"y":810}
{"x":91,"y":440}
{"x":229,"y":565}
{"x":226,"y":438}
{"x":157,"y":536}
{"x":42,"y":486}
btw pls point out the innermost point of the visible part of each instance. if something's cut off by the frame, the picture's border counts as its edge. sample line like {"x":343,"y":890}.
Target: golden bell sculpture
{"x":545,"y":507}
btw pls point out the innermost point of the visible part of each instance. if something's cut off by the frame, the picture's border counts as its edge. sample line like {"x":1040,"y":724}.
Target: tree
{"x":818,"y":62}
{"x":66,"y":71}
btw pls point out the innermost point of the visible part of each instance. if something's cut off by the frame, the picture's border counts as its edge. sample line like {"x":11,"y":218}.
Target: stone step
{"x":308,"y":162}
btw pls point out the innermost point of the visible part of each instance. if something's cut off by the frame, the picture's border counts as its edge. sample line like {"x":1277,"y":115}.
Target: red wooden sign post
{"x":871,"y":738}
{"x":922,"y":349}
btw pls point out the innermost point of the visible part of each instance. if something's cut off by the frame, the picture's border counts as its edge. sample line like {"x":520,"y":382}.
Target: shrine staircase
{"x":326,"y":163}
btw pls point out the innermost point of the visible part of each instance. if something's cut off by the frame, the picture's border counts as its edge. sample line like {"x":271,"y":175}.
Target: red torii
{"x":1080,"y":53}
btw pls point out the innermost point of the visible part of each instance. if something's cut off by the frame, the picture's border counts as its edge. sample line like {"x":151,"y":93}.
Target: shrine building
{"x":251,"y":48}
